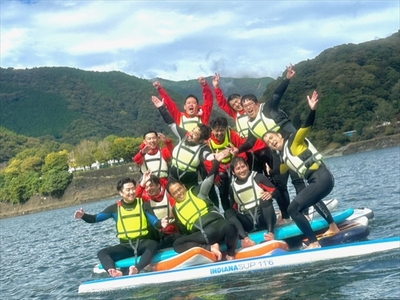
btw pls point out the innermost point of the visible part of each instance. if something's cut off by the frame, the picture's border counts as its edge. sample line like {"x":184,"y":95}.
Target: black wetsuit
{"x":146,"y":245}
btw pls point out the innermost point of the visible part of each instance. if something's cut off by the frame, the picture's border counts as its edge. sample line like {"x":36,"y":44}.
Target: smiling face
{"x":194,"y":136}
{"x":241,"y":170}
{"x":128,"y":192}
{"x":177,"y":191}
{"x":251,"y":108}
{"x":191,"y":107}
{"x":152,"y":189}
{"x":219,"y":133}
{"x":273,"y":140}
{"x":151,"y":140}
{"x":235,"y":104}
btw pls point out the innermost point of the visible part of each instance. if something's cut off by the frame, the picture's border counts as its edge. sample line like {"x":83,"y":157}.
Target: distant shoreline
{"x":90,"y":186}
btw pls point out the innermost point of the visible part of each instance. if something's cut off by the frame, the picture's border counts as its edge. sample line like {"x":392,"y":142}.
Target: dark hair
{"x":123,"y":181}
{"x":154,"y":179}
{"x":171,"y":181}
{"x":219,"y":122}
{"x":250,"y":97}
{"x":235,"y":160}
{"x":233,"y":97}
{"x":205,"y":131}
{"x":192,"y":96}
{"x":150,"y":131}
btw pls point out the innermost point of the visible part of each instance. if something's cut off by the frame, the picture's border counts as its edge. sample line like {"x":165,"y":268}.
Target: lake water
{"x":47,"y":255}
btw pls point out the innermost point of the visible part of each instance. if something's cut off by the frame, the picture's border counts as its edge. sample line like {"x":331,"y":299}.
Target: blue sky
{"x":180,"y":40}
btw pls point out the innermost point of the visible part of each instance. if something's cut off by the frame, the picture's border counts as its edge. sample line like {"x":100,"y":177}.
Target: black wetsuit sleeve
{"x":310,"y":119}
{"x":165,"y":114}
{"x":272,"y":106}
{"x":231,"y":197}
{"x":88,"y":218}
{"x":248,"y":144}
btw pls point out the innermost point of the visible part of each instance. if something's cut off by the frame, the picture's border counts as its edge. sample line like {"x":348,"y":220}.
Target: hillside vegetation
{"x":53,"y":119}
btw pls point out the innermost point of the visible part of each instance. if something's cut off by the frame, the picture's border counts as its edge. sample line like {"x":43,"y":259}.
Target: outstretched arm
{"x":178,"y":131}
{"x":169,"y":103}
{"x":207,"y":100}
{"x":273,"y":104}
{"x":221,"y":100}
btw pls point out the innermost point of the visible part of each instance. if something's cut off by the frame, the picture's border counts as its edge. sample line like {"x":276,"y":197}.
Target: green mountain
{"x":358,"y":84}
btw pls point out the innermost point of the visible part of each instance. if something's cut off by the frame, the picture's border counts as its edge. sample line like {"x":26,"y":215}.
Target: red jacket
{"x":176,"y":114}
{"x":223,"y":104}
{"x":166,"y":152}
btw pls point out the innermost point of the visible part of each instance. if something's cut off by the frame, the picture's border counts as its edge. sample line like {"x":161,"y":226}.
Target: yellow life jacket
{"x":242,"y":125}
{"x":156,"y":163}
{"x":301,"y":163}
{"x":226,"y":143}
{"x":189,"y":123}
{"x":247,"y":195}
{"x":191,"y":209}
{"x":261,"y":124}
{"x":131,"y":223}
{"x":186,"y":158}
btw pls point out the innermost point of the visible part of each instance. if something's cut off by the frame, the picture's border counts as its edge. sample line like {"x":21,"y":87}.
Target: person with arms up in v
{"x":200,"y":224}
{"x":268,"y":117}
{"x":135,"y":231}
{"x":298,"y":154}
{"x":193,"y":113}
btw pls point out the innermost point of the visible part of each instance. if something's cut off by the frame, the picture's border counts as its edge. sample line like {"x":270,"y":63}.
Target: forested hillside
{"x":359,"y":88}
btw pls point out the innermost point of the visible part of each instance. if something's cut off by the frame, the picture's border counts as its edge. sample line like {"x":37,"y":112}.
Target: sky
{"x":181,"y":40}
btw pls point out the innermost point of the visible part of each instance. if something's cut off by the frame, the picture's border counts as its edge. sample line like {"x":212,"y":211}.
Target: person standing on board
{"x":268,"y":117}
{"x":198,"y":220}
{"x":298,"y":154}
{"x":193,"y":113}
{"x":134,"y":226}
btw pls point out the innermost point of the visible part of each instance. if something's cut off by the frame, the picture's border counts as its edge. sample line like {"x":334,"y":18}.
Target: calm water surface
{"x":47,"y":255}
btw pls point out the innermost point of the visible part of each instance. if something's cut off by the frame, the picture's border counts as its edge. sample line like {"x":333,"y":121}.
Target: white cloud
{"x":185,"y":39}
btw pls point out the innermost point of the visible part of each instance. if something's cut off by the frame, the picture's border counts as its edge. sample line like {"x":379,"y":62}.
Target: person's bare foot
{"x":313,"y":245}
{"x":228,"y":257}
{"x":269,"y":236}
{"x":114,"y":272}
{"x":247,"y":242}
{"x":133,"y":270}
{"x":215,"y":249}
{"x":332,"y":230}
{"x":281,"y":222}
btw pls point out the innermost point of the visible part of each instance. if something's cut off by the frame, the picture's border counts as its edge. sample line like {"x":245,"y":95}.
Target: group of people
{"x":176,"y":202}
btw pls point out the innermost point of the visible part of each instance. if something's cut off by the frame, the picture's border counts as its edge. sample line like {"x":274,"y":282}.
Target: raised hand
{"x":79,"y":214}
{"x":312,"y":102}
{"x":157,"y":102}
{"x":157,"y":84}
{"x":201,"y":80}
{"x":145,"y":149}
{"x":215,"y":80}
{"x":162,"y":136}
{"x":290,"y":72}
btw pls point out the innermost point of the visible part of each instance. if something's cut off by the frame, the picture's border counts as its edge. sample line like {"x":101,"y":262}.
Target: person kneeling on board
{"x":134,"y":227}
{"x":252,"y":193}
{"x":197,"y":218}
{"x":298,"y":154}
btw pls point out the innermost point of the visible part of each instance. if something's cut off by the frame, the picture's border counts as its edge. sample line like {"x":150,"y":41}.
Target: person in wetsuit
{"x":200,"y":224}
{"x":268,"y":117}
{"x":298,"y":154}
{"x":135,"y":231}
